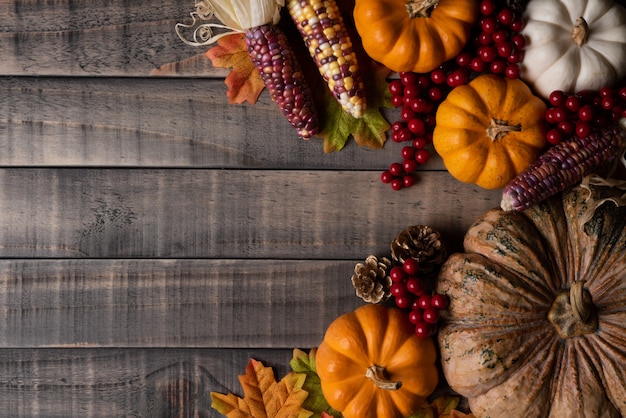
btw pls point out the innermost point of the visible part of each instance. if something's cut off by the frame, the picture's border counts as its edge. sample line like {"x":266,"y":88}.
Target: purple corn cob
{"x":560,"y":167}
{"x":273,"y":58}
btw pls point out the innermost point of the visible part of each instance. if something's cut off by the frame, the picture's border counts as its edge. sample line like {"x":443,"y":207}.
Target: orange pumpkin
{"x":372,"y":364}
{"x":418,"y":35}
{"x":490,"y":130}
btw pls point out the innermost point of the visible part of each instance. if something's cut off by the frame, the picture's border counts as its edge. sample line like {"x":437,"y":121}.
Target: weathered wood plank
{"x":98,"y":37}
{"x":172,"y":303}
{"x":159,"y":123}
{"x":222,"y":213}
{"x":107,"y":383}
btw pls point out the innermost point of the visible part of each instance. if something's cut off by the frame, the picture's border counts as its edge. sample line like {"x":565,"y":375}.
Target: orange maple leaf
{"x":244,"y":82}
{"x":263,"y":396}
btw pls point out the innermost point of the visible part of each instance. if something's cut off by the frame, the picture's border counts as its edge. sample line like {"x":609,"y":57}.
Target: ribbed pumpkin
{"x":414,"y":35}
{"x":371,"y":364}
{"x":490,"y":130}
{"x":573,"y":45}
{"x":536,"y":325}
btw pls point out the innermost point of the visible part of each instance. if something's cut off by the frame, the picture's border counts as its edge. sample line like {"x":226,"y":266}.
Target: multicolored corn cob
{"x":324,"y":32}
{"x":274,"y":59}
{"x":562,"y":166}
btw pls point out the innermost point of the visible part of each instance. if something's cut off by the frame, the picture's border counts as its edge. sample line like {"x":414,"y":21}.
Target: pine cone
{"x":371,"y":279}
{"x":422,"y":243}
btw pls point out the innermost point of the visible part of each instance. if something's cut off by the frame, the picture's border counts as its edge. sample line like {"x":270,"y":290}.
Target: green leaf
{"x":305,"y":363}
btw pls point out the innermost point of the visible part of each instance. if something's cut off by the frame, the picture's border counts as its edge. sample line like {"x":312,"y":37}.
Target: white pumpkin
{"x":573,"y":45}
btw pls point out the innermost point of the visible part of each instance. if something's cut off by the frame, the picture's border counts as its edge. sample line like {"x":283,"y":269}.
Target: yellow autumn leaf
{"x":264,"y":397}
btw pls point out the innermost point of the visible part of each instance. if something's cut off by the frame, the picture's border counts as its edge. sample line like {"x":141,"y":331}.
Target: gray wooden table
{"x":153,"y":237}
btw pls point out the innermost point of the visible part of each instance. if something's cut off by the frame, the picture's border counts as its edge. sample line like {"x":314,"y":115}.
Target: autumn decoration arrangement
{"x":526,"y":96}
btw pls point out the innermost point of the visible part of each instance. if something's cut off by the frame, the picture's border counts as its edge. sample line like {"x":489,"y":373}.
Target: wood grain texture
{"x":222,"y":213}
{"x":98,"y":38}
{"x":172,"y":303}
{"x":160,"y":123}
{"x":116,"y":383}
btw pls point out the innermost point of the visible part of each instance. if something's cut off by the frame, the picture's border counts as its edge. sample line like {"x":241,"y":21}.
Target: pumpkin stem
{"x":378,"y":375}
{"x":580,"y":33}
{"x":421,"y":8}
{"x":573,"y":313}
{"x":499,"y":128}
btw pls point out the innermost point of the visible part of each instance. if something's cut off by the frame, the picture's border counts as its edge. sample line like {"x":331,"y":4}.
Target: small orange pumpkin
{"x":418,"y":35}
{"x":490,"y":130}
{"x":372,"y":364}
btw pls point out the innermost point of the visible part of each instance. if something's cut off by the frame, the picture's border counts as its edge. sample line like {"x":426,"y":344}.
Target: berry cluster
{"x":496,"y":46}
{"x":581,"y":113}
{"x":413,"y":293}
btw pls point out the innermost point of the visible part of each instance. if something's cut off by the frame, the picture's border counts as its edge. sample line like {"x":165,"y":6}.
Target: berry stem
{"x":378,"y":375}
{"x":499,"y":128}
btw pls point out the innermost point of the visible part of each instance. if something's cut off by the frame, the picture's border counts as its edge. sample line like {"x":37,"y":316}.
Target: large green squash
{"x":537,"y":320}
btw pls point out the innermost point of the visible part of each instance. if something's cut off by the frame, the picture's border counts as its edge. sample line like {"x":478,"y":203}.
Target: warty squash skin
{"x":376,"y":335}
{"x":511,"y":341}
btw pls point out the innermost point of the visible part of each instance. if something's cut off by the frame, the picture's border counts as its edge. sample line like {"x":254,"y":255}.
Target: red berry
{"x":488,"y":24}
{"x":419,"y":105}
{"x":431,"y":315}
{"x":622,"y":93}
{"x":566,"y":127}
{"x":416,"y":286}
{"x":500,"y":36}
{"x":477,"y":65}
{"x":408,"y":181}
{"x":408,"y":78}
{"x":424,"y":302}
{"x":557,"y":98}
{"x":410,"y":266}
{"x":586,"y":113}
{"x":504,"y":49}
{"x":386,"y":177}
{"x":517,"y":25}
{"x":440,"y":301}
{"x":560,"y":114}
{"x":423,"y":329}
{"x":519,"y":41}
{"x":422,"y":156}
{"x":403,"y":302}
{"x":423,"y":81}
{"x":458,"y":77}
{"x":608,"y":102}
{"x":506,"y":16}
{"x":416,"y":316}
{"x":435,"y":94}
{"x":485,"y":38}
{"x":411,"y":91}
{"x":409,"y":165}
{"x":573,"y":103}
{"x":419,"y":143}
{"x":512,"y":71}
{"x":396,"y":169}
{"x":549,"y":116}
{"x":401,"y":135}
{"x":407,"y":113}
{"x":464,"y":58}
{"x":515,"y":57}
{"x":498,"y":66}
{"x":396,"y":87}
{"x":554,"y":136}
{"x":397,"y":274}
{"x":583,"y":129}
{"x":487,"y":7}
{"x":397,"y":100}
{"x":438,"y":76}
{"x":398,"y":289}
{"x":416,"y":126}
{"x":407,"y":152}
{"x":606,"y":92}
{"x":487,"y":53}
